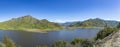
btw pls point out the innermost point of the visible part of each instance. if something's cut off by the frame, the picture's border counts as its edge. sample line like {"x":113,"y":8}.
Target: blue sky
{"x":60,"y":10}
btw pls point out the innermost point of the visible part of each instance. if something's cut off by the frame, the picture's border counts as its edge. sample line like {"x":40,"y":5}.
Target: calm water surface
{"x":31,"y":39}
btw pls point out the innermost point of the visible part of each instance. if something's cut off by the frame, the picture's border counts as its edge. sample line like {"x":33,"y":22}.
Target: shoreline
{"x":46,"y":30}
{"x":32,"y":30}
{"x":84,"y":27}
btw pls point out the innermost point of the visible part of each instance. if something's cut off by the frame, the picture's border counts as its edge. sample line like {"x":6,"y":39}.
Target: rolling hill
{"x":27,"y":23}
{"x":94,"y":23}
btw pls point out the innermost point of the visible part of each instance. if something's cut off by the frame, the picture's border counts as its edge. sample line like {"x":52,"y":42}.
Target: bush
{"x":59,"y":44}
{"x":105,"y":32}
{"x":82,"y":42}
{"x":76,"y":41}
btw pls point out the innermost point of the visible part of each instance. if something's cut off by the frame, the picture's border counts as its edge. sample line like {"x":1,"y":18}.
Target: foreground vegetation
{"x":93,"y":23}
{"x":106,"y":32}
{"x":75,"y":43}
{"x":7,"y":42}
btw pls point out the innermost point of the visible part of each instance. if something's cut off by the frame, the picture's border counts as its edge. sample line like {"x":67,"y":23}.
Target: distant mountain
{"x":28,"y":22}
{"x":95,"y":23}
{"x":67,"y":24}
{"x":112,"y":23}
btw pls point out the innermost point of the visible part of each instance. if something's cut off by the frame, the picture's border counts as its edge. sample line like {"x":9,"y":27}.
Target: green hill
{"x":95,"y":23}
{"x":28,"y":23}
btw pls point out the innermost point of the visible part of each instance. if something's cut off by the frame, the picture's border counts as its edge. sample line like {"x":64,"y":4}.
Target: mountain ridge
{"x":28,"y":22}
{"x":97,"y":22}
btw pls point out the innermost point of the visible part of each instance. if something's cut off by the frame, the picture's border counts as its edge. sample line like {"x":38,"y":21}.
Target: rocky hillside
{"x":112,"y":40}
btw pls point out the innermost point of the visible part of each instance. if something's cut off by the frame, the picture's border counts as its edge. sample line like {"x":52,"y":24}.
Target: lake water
{"x":31,"y":39}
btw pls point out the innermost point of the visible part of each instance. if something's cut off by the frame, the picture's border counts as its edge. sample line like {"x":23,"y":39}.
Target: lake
{"x":31,"y":39}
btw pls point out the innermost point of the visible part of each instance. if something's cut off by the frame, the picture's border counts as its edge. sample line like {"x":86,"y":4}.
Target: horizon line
{"x":60,"y":21}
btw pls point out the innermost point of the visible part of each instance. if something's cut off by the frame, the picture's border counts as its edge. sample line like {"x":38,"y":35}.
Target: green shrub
{"x":59,"y":44}
{"x":105,"y":32}
{"x":82,"y":42}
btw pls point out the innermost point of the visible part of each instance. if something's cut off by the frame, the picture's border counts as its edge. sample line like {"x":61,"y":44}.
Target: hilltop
{"x":28,"y":23}
{"x":97,"y":22}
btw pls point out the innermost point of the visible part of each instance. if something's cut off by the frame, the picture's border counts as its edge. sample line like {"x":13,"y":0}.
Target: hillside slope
{"x":112,"y":40}
{"x":95,"y":23}
{"x":28,"y":22}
